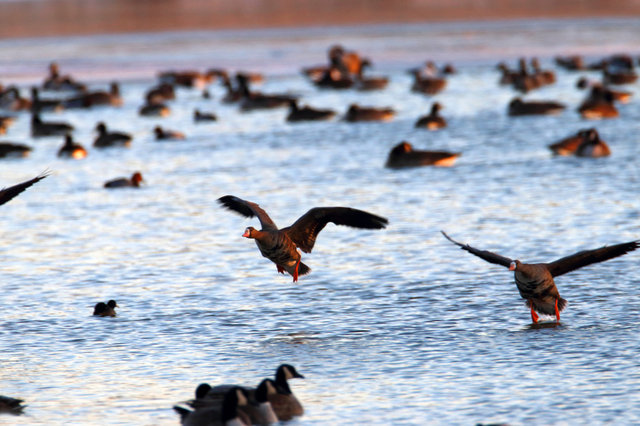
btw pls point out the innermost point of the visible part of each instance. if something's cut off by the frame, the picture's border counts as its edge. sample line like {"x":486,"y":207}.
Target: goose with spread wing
{"x":535,"y":281}
{"x":281,"y":245}
{"x":7,"y":194}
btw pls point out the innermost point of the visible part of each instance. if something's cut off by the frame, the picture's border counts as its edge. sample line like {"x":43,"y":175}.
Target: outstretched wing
{"x":247,"y":209}
{"x":482,"y":254}
{"x":7,"y":194}
{"x":587,"y":257}
{"x":305,"y":230}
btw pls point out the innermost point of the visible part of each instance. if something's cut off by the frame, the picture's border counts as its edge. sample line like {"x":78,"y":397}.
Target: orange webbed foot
{"x":557,"y":313}
{"x":534,"y":316}
{"x":295,"y":272}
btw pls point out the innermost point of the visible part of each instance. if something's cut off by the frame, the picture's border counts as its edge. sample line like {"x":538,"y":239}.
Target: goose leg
{"x":534,"y":316}
{"x":557,"y":312}
{"x":295,"y":272}
{"x":280,"y":269}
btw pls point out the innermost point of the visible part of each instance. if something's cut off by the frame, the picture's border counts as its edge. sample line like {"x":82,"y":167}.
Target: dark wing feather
{"x":305,"y":230}
{"x":482,"y":254}
{"x":7,"y":194}
{"x":587,"y":257}
{"x":247,"y":209}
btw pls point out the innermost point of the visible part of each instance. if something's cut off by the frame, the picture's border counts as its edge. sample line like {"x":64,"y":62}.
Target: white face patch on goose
{"x":271,"y":390}
{"x":242,"y":400}
{"x":287,"y":373}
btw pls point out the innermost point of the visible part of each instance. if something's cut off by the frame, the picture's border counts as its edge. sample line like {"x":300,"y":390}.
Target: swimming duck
{"x":517,"y":107}
{"x":167,"y":135}
{"x":160,"y":94}
{"x":110,"y":98}
{"x":432,"y":121}
{"x":225,"y":415}
{"x":71,"y":149}
{"x":190,"y":79}
{"x":598,"y":104}
{"x":105,"y":309}
{"x":570,"y":63}
{"x":619,"y":77}
{"x":7,"y":194}
{"x":11,"y":405}
{"x":307,"y":113}
{"x":107,"y":139}
{"x":8,"y":149}
{"x":281,"y":245}
{"x":618,"y":95}
{"x":535,"y":282}
{"x":47,"y":128}
{"x":256,"y":100}
{"x":403,"y":155}
{"x":358,"y":113}
{"x":38,"y":105}
{"x":592,"y":146}
{"x":135,"y":181}
{"x":428,"y":85}
{"x":154,"y":110}
{"x":55,"y":81}
{"x":11,"y":100}
{"x":366,"y":83}
{"x":334,"y":78}
{"x":203,"y":116}
{"x":570,"y":144}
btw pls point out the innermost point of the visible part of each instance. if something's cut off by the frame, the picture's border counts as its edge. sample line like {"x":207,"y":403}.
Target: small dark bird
{"x":8,"y":149}
{"x":535,"y":281}
{"x":306,"y":113}
{"x":133,"y":182}
{"x":105,"y":309}
{"x":433,"y":120}
{"x":45,"y":128}
{"x":357,"y":113}
{"x":403,"y":155}
{"x":7,"y":194}
{"x":518,"y":107}
{"x":167,"y":135}
{"x":203,"y":116}
{"x":107,"y":139}
{"x":281,"y":245}
{"x":71,"y":149}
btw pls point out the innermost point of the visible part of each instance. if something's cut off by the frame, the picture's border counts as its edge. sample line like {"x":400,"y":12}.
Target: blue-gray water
{"x":391,"y":327}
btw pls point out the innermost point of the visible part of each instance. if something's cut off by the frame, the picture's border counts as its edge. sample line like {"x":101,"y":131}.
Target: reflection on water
{"x":391,"y":327}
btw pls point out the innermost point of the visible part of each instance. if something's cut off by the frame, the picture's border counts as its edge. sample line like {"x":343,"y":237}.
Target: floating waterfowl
{"x":167,"y":135}
{"x":535,"y":282}
{"x":154,"y":110}
{"x":307,"y":113}
{"x":357,"y":113}
{"x":518,"y":107}
{"x":225,"y":415}
{"x":133,"y":182}
{"x":403,"y":155}
{"x":281,"y":245}
{"x":105,"y":309}
{"x":8,"y":149}
{"x":106,"y":139}
{"x":199,"y":116}
{"x":41,"y":128}
{"x":71,"y":149}
{"x":433,"y":120}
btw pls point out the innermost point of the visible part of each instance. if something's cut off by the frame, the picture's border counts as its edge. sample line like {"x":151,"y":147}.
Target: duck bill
{"x":512,"y":266}
{"x":247,"y":234}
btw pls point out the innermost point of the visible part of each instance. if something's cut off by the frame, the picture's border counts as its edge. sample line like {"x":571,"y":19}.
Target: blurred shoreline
{"x":43,"y":18}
